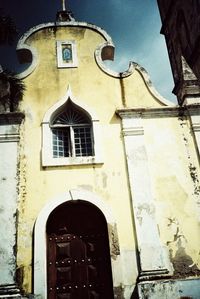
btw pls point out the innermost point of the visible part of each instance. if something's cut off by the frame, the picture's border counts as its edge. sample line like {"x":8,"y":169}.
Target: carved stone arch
{"x":40,"y":247}
{"x":47,"y":143}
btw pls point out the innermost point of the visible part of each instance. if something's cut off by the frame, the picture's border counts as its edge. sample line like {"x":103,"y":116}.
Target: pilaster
{"x":9,"y":137}
{"x":153,"y":256}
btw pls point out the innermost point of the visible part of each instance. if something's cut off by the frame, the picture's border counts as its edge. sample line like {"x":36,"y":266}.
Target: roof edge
{"x":30,"y":53}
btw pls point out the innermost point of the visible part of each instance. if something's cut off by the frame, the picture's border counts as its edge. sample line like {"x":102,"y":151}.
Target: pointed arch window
{"x":72,"y":133}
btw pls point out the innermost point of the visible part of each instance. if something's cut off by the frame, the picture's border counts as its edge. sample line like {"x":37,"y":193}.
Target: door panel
{"x":78,"y":259}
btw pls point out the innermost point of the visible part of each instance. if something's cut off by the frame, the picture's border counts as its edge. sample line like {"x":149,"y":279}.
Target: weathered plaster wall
{"x":45,"y":86}
{"x":8,"y":170}
{"x":173,"y":166}
{"x":9,"y":137}
{"x":175,"y":177}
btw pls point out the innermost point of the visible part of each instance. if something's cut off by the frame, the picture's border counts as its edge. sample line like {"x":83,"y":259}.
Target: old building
{"x":181,"y":28}
{"x":99,"y":176}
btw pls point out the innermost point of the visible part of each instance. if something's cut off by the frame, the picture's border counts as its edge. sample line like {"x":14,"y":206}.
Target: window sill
{"x":71,"y":161}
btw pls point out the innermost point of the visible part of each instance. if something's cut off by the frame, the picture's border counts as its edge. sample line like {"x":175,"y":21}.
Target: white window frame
{"x":60,"y":62}
{"x":47,"y":137}
{"x":71,"y":138}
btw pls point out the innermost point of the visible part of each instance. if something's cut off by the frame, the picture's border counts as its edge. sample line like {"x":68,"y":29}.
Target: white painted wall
{"x":9,"y":136}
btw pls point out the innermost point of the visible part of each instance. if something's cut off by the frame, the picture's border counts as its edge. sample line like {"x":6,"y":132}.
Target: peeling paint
{"x":114,"y":242}
{"x":86,"y":187}
{"x":104,"y":179}
{"x":8,"y":190}
{"x":191,"y":166}
{"x":177,"y":234}
{"x":20,"y":276}
{"x":183,"y":264}
{"x":145,"y":207}
{"x":118,"y":293}
{"x":148,"y":208}
{"x":21,"y":172}
{"x":194,"y":176}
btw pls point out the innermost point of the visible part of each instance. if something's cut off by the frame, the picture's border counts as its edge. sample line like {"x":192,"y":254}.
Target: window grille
{"x":60,"y":143}
{"x":72,"y":133}
{"x":83,"y":141}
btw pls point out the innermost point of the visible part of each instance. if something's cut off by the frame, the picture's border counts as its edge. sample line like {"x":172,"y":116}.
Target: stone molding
{"x":9,"y":126}
{"x":133,"y":131}
{"x":196,"y":126}
{"x":9,"y":291}
{"x":148,"y":112}
{"x":193,"y":109}
{"x":160,"y":112}
{"x":11,"y":118}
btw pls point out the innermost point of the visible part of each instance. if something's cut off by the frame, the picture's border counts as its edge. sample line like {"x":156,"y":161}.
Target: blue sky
{"x":134,"y":26}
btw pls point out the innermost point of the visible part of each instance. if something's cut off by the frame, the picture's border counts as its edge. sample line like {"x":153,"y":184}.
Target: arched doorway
{"x":78,"y":255}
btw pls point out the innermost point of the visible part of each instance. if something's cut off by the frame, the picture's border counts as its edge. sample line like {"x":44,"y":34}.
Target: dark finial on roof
{"x":65,"y":15}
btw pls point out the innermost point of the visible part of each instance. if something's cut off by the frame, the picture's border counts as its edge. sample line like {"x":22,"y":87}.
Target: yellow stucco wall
{"x":44,"y":87}
{"x":168,"y":160}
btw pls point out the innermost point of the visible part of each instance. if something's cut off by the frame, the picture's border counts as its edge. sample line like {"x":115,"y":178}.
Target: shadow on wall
{"x":184,"y":265}
{"x":135,"y":294}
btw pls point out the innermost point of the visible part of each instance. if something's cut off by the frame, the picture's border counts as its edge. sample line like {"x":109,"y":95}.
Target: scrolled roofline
{"x":104,"y":51}
{"x":28,"y":54}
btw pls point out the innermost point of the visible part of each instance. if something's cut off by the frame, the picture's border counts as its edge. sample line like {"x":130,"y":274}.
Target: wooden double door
{"x":78,"y":255}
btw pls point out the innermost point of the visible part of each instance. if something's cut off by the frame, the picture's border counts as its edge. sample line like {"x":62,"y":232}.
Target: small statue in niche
{"x":66,"y":53}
